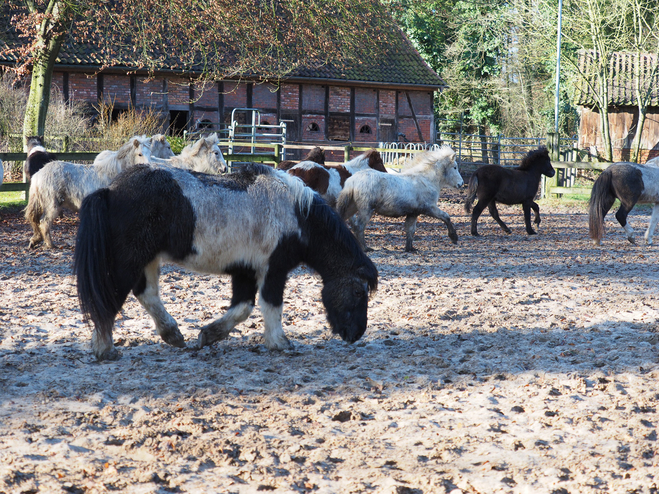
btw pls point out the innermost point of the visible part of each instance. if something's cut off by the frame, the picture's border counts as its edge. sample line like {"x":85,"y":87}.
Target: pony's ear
{"x":213,"y":138}
{"x":197,"y":146}
{"x":136,"y":143}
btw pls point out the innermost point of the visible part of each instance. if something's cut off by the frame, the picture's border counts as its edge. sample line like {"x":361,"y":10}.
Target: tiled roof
{"x":399,"y":63}
{"x":622,"y":86}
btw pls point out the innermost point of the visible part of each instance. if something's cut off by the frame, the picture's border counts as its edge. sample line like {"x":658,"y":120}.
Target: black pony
{"x":37,"y":156}
{"x":255,"y":225}
{"x":493,"y":183}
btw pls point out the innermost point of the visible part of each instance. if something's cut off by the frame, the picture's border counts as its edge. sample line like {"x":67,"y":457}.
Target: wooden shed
{"x":623,"y":112}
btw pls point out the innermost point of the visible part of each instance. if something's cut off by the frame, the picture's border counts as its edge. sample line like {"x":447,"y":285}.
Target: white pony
{"x":653,"y":162}
{"x":203,"y":156}
{"x":60,"y":184}
{"x":413,"y":192}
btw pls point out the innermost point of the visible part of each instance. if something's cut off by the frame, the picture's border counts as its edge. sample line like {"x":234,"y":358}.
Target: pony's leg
{"x":410,"y":228}
{"x":526,"y":206}
{"x":536,"y":210}
{"x":243,"y":284}
{"x":271,"y":301}
{"x":359,"y":222}
{"x":435,"y":212}
{"x":148,"y":296}
{"x":494,"y":212}
{"x":475,"y":214}
{"x":653,"y":223}
{"x":621,"y":216}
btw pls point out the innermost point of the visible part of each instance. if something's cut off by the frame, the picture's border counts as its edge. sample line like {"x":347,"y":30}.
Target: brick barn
{"x":388,"y":98}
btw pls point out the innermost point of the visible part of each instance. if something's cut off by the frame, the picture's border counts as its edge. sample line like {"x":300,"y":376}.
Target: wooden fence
{"x":561,"y":184}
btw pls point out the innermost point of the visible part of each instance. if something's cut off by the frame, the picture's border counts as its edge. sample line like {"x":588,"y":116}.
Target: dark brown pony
{"x":494,"y":183}
{"x":317,"y":155}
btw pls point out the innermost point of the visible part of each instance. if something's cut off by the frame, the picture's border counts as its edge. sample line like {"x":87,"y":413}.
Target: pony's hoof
{"x":174,"y":339}
{"x":532,"y":232}
{"x":411,"y":249}
{"x":631,"y":240}
{"x":475,"y":234}
{"x":210,"y":335}
{"x":454,"y":239}
{"x":507,"y":231}
{"x":112,"y":354}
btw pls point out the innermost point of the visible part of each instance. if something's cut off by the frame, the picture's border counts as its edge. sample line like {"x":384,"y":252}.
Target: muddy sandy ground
{"x":502,"y":364}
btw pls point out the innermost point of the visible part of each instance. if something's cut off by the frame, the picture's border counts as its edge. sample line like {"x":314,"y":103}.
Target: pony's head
{"x":317,"y":155}
{"x":441,"y":163}
{"x":136,"y":151}
{"x":34,"y":142}
{"x":538,"y":159}
{"x":160,"y":147}
{"x":346,"y":301}
{"x":206,"y":155}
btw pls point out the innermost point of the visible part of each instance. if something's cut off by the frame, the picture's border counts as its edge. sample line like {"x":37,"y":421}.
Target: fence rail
{"x":565,"y":157}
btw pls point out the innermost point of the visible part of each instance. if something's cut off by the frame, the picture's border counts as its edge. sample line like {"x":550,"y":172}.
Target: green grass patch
{"x":12,"y":199}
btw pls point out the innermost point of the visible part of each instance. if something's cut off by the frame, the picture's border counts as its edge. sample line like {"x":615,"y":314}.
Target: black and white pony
{"x":37,"y":157}
{"x":255,"y":225}
{"x":632,"y":184}
{"x":413,"y":192}
{"x":60,"y":184}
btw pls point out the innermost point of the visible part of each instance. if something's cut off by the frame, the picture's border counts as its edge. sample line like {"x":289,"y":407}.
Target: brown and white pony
{"x":328,"y":180}
{"x":317,"y":155}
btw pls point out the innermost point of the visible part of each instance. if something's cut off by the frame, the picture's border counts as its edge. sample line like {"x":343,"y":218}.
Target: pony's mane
{"x":303,"y":196}
{"x":427,"y":161}
{"x":108,"y":161}
{"x":193,"y":149}
{"x":337,"y":229}
{"x":530,"y":158}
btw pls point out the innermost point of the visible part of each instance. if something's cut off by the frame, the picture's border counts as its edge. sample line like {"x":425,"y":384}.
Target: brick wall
{"x":387,"y":103}
{"x":206,"y":95}
{"x":235,"y":95}
{"x":313,"y":98}
{"x":407,"y":127}
{"x":339,"y":99}
{"x":211,"y":116}
{"x":290,"y":97}
{"x":148,"y":91}
{"x":178,"y":91}
{"x":371,"y":123}
{"x":83,"y":87}
{"x":366,"y":100}
{"x":264,"y":96}
{"x":58,"y":82}
{"x":310,"y":135}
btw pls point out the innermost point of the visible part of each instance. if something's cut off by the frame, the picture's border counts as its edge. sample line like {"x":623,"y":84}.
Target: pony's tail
{"x":471,"y":193}
{"x":35,"y":208}
{"x":601,"y":200}
{"x":346,"y":205}
{"x":93,"y":264}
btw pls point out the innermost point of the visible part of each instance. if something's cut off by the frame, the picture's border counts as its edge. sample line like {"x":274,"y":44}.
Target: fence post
{"x":277,"y":154}
{"x":553,"y":145}
{"x":346,"y":153}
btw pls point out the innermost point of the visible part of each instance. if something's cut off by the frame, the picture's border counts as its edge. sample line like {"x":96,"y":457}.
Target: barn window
{"x":313,"y":127}
{"x":365,"y":129}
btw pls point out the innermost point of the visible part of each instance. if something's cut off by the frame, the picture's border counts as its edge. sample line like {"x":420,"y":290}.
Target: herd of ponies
{"x":142,"y":205}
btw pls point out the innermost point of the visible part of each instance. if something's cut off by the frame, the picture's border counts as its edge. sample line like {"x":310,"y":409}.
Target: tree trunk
{"x":49,"y":41}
